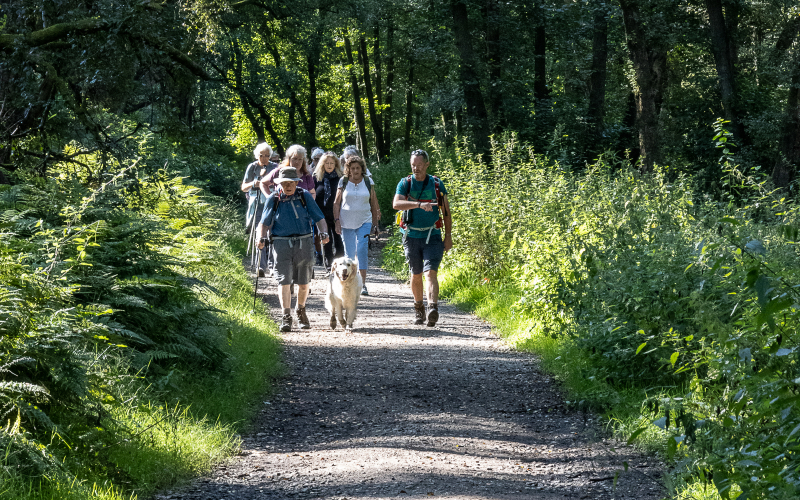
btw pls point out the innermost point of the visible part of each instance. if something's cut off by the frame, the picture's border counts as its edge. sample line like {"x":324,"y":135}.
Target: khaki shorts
{"x":294,"y":259}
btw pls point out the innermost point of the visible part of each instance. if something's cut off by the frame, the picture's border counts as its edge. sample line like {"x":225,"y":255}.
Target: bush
{"x":114,"y":307}
{"x":687,"y":301}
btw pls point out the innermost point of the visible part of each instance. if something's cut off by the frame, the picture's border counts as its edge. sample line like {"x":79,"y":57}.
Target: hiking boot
{"x":302,"y":318}
{"x":319,"y":260}
{"x":261,"y":273}
{"x":333,"y":322}
{"x":419,"y":313}
{"x":286,"y":323}
{"x":433,"y":314}
{"x":364,"y":290}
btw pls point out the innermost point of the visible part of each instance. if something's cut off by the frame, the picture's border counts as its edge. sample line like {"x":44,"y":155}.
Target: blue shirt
{"x":419,"y":217}
{"x":291,"y":219}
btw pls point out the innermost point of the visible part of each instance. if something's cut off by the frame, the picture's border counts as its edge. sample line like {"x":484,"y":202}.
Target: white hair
{"x":260,"y":148}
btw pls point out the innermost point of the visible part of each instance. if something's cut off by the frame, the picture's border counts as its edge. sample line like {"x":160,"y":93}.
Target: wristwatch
{"x":323,"y":236}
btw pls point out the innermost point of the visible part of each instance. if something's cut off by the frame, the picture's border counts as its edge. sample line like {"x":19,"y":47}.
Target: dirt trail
{"x":400,"y":411}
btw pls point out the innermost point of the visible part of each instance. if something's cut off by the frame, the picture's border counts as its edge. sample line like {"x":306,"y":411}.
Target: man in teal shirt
{"x":424,"y":198}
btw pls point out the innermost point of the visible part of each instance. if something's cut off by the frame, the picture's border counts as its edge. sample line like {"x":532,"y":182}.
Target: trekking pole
{"x":325,"y":257}
{"x":253,"y":234}
{"x":255,"y":290}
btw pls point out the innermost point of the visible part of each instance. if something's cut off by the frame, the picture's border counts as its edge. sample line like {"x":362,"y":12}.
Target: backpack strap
{"x":367,"y":183}
{"x":299,"y":191}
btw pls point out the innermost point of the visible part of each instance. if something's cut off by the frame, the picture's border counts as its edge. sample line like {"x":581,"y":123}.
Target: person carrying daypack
{"x":426,"y":211}
{"x":355,"y":213}
{"x":251,"y":184}
{"x":289,"y":214}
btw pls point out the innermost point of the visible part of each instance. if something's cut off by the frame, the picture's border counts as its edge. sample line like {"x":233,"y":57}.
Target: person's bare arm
{"x":448,"y":224}
{"x":337,"y":208}
{"x":322,"y":228}
{"x":375,"y":208}
{"x":402,"y":203}
{"x":262,"y":233}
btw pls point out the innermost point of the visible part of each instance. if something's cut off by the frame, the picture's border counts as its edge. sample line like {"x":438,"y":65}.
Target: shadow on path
{"x":400,"y":411}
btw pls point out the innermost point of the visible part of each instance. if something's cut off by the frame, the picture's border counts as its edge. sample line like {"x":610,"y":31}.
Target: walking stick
{"x":253,"y":244}
{"x":258,"y":266}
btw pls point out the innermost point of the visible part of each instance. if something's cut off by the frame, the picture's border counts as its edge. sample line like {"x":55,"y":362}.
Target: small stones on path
{"x":395,"y":410}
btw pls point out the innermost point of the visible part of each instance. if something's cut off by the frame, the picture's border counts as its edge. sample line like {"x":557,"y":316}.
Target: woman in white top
{"x":355,"y":212}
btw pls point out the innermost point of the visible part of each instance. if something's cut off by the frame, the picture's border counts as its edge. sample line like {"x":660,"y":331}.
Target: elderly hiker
{"x":355,"y":212}
{"x":295,"y":157}
{"x":316,"y":153}
{"x":255,"y":201}
{"x":326,"y":178}
{"x":289,"y":214}
{"x":423,"y":200}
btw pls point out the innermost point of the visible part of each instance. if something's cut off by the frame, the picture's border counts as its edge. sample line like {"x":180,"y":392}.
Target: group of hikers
{"x":304,"y":213}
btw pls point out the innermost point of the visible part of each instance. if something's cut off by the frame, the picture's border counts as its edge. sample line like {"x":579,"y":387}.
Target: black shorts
{"x":421,"y":256}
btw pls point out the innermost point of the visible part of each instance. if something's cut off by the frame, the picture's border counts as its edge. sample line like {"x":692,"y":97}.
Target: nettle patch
{"x":690,"y":301}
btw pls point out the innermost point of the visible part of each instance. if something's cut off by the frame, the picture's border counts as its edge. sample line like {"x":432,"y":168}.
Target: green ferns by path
{"x":130,"y":354}
{"x":673,"y":312}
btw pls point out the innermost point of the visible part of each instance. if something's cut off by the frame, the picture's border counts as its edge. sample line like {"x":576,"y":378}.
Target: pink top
{"x":306,"y":181}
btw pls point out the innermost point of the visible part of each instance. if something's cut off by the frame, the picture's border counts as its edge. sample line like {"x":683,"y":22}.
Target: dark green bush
{"x":690,"y":300}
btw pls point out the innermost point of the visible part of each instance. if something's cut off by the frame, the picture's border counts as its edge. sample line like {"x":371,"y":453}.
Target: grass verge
{"x":183,"y":429}
{"x":621,"y":408}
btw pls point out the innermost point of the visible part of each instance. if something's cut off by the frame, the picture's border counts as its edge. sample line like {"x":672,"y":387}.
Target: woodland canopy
{"x":646,"y":77}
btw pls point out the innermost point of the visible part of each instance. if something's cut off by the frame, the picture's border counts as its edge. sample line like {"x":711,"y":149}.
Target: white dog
{"x":344,"y":291}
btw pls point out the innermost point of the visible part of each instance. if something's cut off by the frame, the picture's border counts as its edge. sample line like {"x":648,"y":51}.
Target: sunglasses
{"x":420,"y":152}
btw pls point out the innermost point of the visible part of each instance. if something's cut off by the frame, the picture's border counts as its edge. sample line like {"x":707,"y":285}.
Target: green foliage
{"x":669,"y":304}
{"x":115,"y":316}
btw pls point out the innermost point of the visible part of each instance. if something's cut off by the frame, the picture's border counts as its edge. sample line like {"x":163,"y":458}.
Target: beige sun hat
{"x":286,"y":174}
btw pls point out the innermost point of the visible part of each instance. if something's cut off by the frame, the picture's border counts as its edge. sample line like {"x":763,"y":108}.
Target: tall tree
{"x":473,"y":97}
{"x":409,"y":107}
{"x":786,"y":164}
{"x":724,"y":49}
{"x":541,"y":93}
{"x":361,"y":124}
{"x":377,"y":126}
{"x":597,"y":77}
{"x":650,"y":67}
{"x":387,"y":112}
{"x":494,"y":59}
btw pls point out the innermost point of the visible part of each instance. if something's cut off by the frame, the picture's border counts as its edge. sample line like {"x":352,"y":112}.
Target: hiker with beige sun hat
{"x":289,"y":214}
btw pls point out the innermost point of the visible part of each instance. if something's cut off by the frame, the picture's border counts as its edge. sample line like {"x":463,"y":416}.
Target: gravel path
{"x":394,"y":410}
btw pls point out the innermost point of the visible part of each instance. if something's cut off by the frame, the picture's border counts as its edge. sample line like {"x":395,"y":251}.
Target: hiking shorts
{"x":294,"y":260}
{"x":421,"y":256}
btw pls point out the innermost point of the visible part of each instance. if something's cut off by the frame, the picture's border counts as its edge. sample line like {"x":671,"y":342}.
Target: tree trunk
{"x":312,"y":103}
{"x":373,"y":114}
{"x":541,"y":94}
{"x":784,"y":171}
{"x":313,"y":63}
{"x":292,"y":123}
{"x":495,"y":62}
{"x":359,"y":110}
{"x":650,"y":65}
{"x":295,"y":105}
{"x":476,"y":108}
{"x":597,"y":79}
{"x":724,"y":57}
{"x":387,"y":111}
{"x":243,"y":96}
{"x":409,"y":106}
{"x":376,"y":50}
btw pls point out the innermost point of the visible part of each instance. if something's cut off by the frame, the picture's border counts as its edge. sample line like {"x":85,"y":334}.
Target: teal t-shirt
{"x":419,"y":217}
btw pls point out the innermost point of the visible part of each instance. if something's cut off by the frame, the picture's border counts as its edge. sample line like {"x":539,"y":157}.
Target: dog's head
{"x":344,"y":268}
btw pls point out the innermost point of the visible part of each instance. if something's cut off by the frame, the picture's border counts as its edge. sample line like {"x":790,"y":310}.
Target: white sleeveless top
{"x":355,"y":210}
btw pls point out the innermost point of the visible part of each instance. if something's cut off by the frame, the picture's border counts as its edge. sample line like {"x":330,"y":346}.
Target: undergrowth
{"x":673,"y":314}
{"x":130,"y":353}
